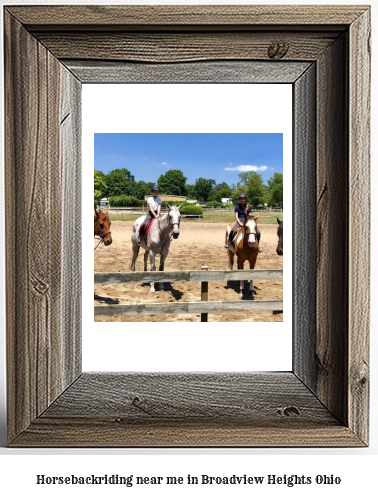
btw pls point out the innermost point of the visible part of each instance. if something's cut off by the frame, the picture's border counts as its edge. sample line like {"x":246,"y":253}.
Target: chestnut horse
{"x":102,"y":227}
{"x":280,"y":236}
{"x":245,"y":247}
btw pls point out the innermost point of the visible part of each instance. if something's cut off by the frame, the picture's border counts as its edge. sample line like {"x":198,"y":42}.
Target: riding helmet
{"x":155,"y":188}
{"x":242,"y":195}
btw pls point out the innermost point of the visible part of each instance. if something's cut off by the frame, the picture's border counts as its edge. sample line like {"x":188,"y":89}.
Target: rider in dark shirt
{"x":241,"y":210}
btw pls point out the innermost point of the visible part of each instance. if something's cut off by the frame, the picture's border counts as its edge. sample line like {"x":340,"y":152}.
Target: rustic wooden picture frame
{"x":49,"y":52}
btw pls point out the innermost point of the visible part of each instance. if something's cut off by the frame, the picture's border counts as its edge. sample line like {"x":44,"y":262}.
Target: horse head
{"x":250,"y":226}
{"x":102,"y":227}
{"x":280,"y":237}
{"x":174,"y":217}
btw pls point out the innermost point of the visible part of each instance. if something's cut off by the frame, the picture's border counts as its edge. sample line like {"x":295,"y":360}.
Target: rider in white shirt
{"x":154,"y":209}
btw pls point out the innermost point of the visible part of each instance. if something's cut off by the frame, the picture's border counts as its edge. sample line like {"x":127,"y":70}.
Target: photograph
{"x":188,"y":202}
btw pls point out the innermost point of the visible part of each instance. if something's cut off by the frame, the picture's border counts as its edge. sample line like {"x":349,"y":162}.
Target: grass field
{"x":208,"y":216}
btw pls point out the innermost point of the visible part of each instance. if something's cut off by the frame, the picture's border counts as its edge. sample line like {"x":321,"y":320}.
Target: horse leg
{"x":241,"y":266}
{"x":145,"y":258}
{"x":231,"y":256}
{"x":163,"y":257}
{"x":153,"y":268}
{"x":252,"y":291}
{"x":135,"y":254}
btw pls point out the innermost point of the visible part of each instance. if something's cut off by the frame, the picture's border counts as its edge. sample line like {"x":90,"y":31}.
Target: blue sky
{"x":214,"y":156}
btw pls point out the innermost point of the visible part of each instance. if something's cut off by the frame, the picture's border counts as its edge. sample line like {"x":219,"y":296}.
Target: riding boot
{"x":230,"y":238}
{"x":141,"y":234}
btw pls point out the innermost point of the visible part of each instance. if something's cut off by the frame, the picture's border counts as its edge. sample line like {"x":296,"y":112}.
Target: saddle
{"x":236,"y":234}
{"x":146,"y":228}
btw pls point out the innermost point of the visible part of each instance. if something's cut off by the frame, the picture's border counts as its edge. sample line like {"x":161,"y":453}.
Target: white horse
{"x":157,"y":241}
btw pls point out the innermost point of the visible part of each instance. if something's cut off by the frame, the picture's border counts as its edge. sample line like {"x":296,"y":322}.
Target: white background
{"x":185,"y":109}
{"x":356,"y":467}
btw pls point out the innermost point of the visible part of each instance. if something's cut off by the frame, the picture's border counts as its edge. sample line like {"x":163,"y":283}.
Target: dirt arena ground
{"x":198,"y":244}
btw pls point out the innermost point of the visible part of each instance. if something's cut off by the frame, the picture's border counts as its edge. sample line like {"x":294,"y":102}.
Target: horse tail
{"x":134,"y":258}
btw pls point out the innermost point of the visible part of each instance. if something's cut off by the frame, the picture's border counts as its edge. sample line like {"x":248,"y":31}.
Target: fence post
{"x":204,"y":293}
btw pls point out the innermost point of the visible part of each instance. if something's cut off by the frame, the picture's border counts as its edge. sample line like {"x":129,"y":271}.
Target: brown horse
{"x":102,"y":227}
{"x":280,"y":237}
{"x":245,"y":247}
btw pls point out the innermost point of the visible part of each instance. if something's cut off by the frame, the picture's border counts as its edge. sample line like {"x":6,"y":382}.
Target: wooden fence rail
{"x":188,"y":307}
{"x":194,"y":276}
{"x":202,"y":307}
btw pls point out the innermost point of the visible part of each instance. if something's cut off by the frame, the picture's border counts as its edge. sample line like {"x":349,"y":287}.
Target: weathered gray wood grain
{"x":332,"y":234}
{"x":187,"y":307}
{"x":95,"y":431}
{"x":204,"y":72}
{"x":33,"y":242}
{"x":192,"y":409}
{"x":184,"y":17}
{"x":304,"y":228}
{"x":359,"y":228}
{"x":70,"y":142}
{"x":181,"y":47}
{"x":236,"y":396}
{"x":42,"y":175}
{"x":194,"y":276}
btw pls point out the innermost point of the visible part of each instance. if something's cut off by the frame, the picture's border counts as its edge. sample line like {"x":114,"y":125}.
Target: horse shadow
{"x":106,"y":300}
{"x":176,"y":294}
{"x":235,"y":286}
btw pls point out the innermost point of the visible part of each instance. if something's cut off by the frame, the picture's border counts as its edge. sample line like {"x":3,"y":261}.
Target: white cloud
{"x":115,"y":155}
{"x":248,"y":168}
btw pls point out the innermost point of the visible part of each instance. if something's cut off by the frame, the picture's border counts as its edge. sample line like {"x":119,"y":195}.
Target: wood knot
{"x":363,"y":381}
{"x":288,"y":411}
{"x":41,"y":287}
{"x":140,"y":404}
{"x":278,"y":50}
{"x":136,"y":400}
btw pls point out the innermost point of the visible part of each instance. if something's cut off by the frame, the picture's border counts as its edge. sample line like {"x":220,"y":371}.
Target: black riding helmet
{"x":155,"y":188}
{"x":242,"y":195}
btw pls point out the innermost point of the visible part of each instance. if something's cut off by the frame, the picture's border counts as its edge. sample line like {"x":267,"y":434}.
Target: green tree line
{"x":122,"y":189}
